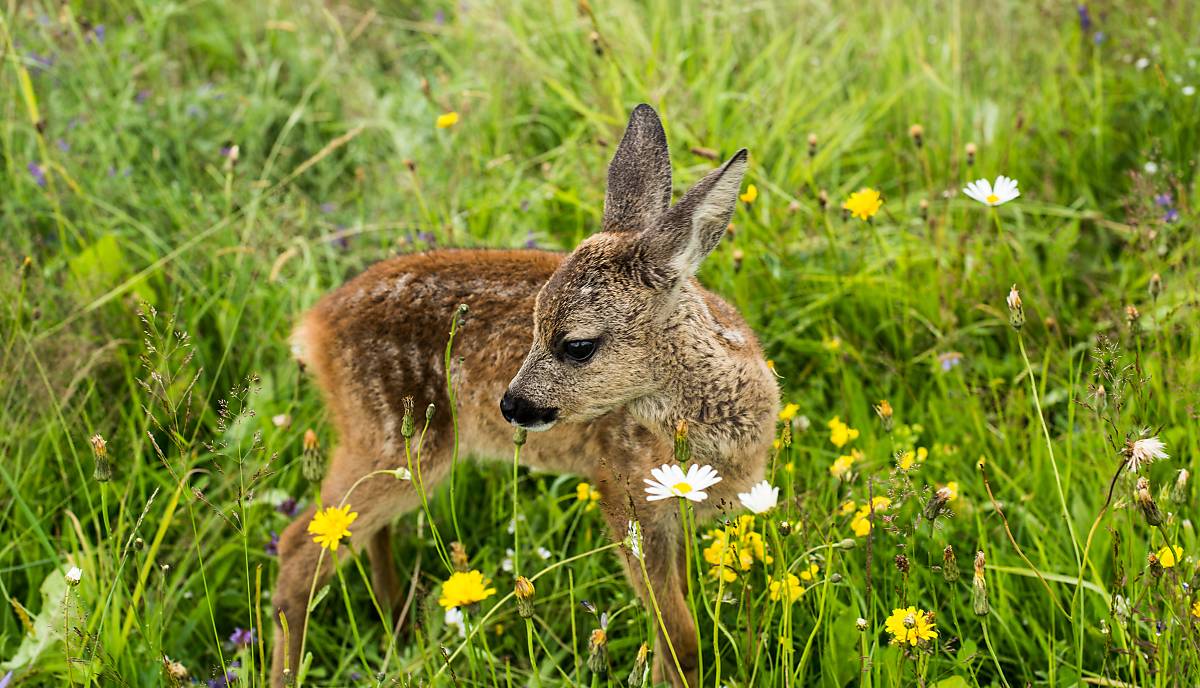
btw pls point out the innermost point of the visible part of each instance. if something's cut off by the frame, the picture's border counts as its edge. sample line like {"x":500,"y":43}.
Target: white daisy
{"x":671,"y":481}
{"x":1146,"y":451}
{"x":1003,"y":191}
{"x":761,"y":498}
{"x":454,"y":619}
{"x":543,"y":552}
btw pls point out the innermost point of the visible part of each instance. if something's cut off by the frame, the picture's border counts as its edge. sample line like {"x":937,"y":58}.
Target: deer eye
{"x":579,"y":350}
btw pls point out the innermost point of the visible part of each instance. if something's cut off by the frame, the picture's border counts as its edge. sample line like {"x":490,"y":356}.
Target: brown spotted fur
{"x":670,"y":351}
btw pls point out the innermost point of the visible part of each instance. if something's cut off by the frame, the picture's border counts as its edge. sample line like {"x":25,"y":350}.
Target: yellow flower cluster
{"x":840,"y":433}
{"x":861,"y":523}
{"x":584,"y":492}
{"x":735,"y":549}
{"x":910,"y":625}
{"x":842,"y":465}
{"x":908,"y":458}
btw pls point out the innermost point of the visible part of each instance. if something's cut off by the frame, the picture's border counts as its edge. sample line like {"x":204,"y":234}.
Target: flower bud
{"x":312,"y":462}
{"x":1179,"y":491}
{"x":103,"y":470}
{"x":949,"y":564}
{"x":524,"y":591}
{"x":979,"y":595}
{"x":429,"y":413}
{"x":847,"y":543}
{"x":823,"y":199}
{"x":682,"y":449}
{"x":1146,"y":504}
{"x":785,"y":528}
{"x":812,"y":145}
{"x":407,"y":425}
{"x":937,"y":503}
{"x":970,"y":154}
{"x":1133,"y":318}
{"x":458,"y":557}
{"x":1016,"y":311}
{"x":74,"y":575}
{"x":861,"y":624}
{"x":884,"y":410}
{"x":519,"y":436}
{"x":598,"y":652}
{"x":1156,"y":286}
{"x":640,"y":674}
{"x":917,"y":133}
{"x":923,"y":206}
{"x":1156,"y":567}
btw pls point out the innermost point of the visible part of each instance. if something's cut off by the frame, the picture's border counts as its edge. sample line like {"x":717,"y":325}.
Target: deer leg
{"x":384,"y":576}
{"x":662,"y":546}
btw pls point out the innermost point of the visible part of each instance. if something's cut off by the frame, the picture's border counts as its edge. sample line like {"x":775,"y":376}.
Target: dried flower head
{"x":1016,"y":310}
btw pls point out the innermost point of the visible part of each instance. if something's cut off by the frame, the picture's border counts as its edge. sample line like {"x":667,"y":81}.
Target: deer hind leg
{"x":377,"y":500}
{"x":663,"y":552}
{"x":384,"y":576}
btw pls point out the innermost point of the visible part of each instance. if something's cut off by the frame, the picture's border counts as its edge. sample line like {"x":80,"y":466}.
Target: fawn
{"x":625,"y":345}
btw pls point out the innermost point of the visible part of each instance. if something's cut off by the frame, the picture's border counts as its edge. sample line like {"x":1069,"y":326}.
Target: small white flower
{"x":803,"y":424}
{"x":402,"y":473}
{"x":507,"y":562}
{"x":1150,"y":167}
{"x":1142,"y":63}
{"x":1146,"y":451}
{"x":1189,"y":90}
{"x":454,"y":619}
{"x":761,"y":498}
{"x":634,"y":538}
{"x":1003,"y":191}
{"x":671,"y":481}
{"x":74,"y":575}
{"x":281,"y":421}
{"x":543,"y":552}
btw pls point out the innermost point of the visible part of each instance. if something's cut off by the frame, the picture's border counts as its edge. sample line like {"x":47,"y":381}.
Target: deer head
{"x":603,"y":321}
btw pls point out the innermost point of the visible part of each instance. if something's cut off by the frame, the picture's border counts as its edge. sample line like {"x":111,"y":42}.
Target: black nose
{"x":520,"y":411}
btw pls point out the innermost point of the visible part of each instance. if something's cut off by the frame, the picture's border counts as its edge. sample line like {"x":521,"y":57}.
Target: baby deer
{"x":625,"y":345}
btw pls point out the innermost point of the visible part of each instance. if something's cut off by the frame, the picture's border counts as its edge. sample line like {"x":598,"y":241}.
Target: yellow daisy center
{"x":992,"y":198}
{"x":682,"y":488}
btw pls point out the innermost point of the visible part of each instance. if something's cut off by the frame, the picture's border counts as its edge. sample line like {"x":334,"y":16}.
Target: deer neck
{"x":706,"y":378}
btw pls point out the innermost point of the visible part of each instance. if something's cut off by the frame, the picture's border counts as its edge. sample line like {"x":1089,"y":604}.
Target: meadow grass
{"x":181,"y":179}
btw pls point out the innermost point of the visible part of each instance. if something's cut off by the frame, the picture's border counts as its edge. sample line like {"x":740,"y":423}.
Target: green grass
{"x":144,"y":231}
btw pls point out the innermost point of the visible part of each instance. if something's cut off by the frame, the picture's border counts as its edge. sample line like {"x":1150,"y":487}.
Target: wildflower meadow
{"x":966,"y":241}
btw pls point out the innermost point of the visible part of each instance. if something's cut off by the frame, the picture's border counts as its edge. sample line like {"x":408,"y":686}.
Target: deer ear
{"x":691,"y":229}
{"x":639,"y":176}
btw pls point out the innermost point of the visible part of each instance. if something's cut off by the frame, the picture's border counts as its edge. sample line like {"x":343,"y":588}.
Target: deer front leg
{"x":662,"y":582}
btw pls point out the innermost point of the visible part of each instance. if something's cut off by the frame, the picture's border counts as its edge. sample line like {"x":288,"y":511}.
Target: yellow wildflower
{"x":1196,"y":609}
{"x":910,"y":626}
{"x":466,"y":588}
{"x":842,"y":464}
{"x":788,"y":412}
{"x":840,"y":433}
{"x":750,"y":195}
{"x":809,"y":574}
{"x":953,"y":487}
{"x":831,"y":343}
{"x":330,"y":525}
{"x":906,"y":460}
{"x":861,"y":523}
{"x":863,"y":203}
{"x":847,"y":507}
{"x":792,"y":589}
{"x":735,"y":548}
{"x":584,"y":492}
{"x":1169,"y":556}
{"x":447,"y":120}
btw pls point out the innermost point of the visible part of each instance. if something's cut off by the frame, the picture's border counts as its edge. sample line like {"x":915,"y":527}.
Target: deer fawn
{"x":625,"y":345}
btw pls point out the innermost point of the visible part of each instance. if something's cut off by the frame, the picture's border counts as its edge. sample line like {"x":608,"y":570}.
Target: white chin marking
{"x":538,"y":427}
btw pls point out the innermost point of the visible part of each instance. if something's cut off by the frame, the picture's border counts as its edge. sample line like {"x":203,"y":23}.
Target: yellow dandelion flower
{"x":1169,"y":556}
{"x":847,"y":507}
{"x":791,"y":590}
{"x":1196,"y":609}
{"x":584,"y":492}
{"x":810,"y":574}
{"x":330,"y":525}
{"x":863,"y":203}
{"x":953,"y":487}
{"x":906,"y":460}
{"x":861,"y":523}
{"x":842,"y":465}
{"x":910,"y":625}
{"x":723,"y":572}
{"x":831,"y":343}
{"x":840,"y":433}
{"x":462,"y":589}
{"x":750,"y":195}
{"x":446,"y":120}
{"x":789,"y":467}
{"x":922,"y":454}
{"x":788,"y":412}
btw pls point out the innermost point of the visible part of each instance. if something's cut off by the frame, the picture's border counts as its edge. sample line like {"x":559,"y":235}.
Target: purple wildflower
{"x":142,"y":96}
{"x":38,"y":173}
{"x":272,"y":546}
{"x":99,"y":32}
{"x":427,"y":237}
{"x":242,"y":637}
{"x":1098,"y":37}
{"x":288,"y":507}
{"x":1172,"y":215}
{"x":62,"y":145}
{"x":1085,"y":18}
{"x":6,"y":680}
{"x":40,"y":63}
{"x":949,"y":360}
{"x":328,"y":207}
{"x":530,"y":240}
{"x":439,"y":17}
{"x":1163,"y":200}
